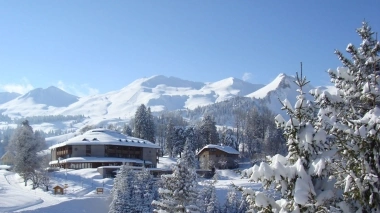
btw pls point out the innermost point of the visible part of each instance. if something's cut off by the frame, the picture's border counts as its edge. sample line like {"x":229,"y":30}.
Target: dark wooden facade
{"x":210,"y":158}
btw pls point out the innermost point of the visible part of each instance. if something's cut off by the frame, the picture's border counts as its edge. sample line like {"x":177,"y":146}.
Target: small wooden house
{"x":216,"y":156}
{"x":7,"y":158}
{"x":58,"y":189}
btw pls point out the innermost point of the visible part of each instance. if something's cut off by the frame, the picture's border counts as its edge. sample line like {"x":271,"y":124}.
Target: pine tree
{"x":352,"y":115}
{"x":207,"y":200}
{"x":149,"y":126}
{"x":188,"y":156}
{"x":303,"y":176}
{"x":25,"y":144}
{"x":179,"y":190}
{"x":232,"y":201}
{"x":122,"y":194}
{"x":229,"y":139}
{"x":144,"y":123}
{"x":145,"y":191}
{"x":127,"y":130}
{"x":208,"y":131}
{"x":170,"y":139}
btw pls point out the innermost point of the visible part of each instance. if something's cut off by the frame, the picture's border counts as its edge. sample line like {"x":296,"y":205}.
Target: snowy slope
{"x":7,"y":96}
{"x":80,"y":194}
{"x":282,"y":87}
{"x":158,"y":92}
{"x":38,"y":102}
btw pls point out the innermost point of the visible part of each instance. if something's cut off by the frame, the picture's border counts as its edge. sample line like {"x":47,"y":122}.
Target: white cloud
{"x":247,"y":76}
{"x":78,"y":90}
{"x":21,"y":88}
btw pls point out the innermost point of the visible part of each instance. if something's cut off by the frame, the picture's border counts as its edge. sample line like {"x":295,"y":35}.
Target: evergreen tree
{"x":145,"y":191}
{"x":207,"y":200}
{"x":303,"y":176}
{"x":189,"y":156}
{"x":352,"y":116}
{"x":150,"y":127}
{"x":144,"y":123}
{"x":127,"y":130}
{"x":229,"y":139}
{"x":232,"y":201}
{"x":122,"y":194}
{"x":133,"y":191}
{"x":170,"y":139}
{"x":25,"y":144}
{"x":243,"y":204}
{"x":179,"y":190}
{"x":208,"y":131}
{"x":140,"y":121}
{"x":179,"y":140}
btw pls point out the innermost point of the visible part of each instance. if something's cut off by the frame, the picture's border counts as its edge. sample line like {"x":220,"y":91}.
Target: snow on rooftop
{"x":226,"y":149}
{"x":106,"y":137}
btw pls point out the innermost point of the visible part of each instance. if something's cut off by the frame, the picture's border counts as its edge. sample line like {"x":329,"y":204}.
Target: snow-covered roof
{"x":106,"y":137}
{"x":226,"y":149}
{"x":99,"y":160}
{"x":5,"y":167}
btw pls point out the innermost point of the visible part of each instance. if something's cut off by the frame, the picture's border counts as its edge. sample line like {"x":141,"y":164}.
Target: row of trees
{"x":254,"y":132}
{"x":333,"y":164}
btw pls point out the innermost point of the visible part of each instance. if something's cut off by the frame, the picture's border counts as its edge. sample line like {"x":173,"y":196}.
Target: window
{"x":88,"y":150}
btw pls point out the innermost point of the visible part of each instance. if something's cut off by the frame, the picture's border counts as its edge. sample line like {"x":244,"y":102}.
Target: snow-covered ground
{"x":80,"y":193}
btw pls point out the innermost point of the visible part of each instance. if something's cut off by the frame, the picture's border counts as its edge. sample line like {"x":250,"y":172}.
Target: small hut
{"x":58,"y":189}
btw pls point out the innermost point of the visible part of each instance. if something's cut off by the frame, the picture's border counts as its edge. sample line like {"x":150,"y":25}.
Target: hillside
{"x":194,"y":99}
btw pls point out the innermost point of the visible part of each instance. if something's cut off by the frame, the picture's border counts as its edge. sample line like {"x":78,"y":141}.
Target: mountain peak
{"x":51,"y":96}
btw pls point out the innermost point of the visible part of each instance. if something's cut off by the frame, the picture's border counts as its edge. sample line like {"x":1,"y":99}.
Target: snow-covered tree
{"x":207,"y":201}
{"x":127,"y":130}
{"x":229,"y":139}
{"x":232,"y":201}
{"x":145,"y":191}
{"x":122,"y":194}
{"x":25,"y":144}
{"x":188,"y":155}
{"x":353,"y":117}
{"x":179,"y":190}
{"x":170,"y":138}
{"x":133,"y":191}
{"x":208,"y":131}
{"x":302,"y":178}
{"x":179,"y":139}
{"x":150,"y":126}
{"x":143,"y":123}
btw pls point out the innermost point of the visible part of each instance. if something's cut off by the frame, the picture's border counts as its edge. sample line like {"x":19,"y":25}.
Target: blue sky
{"x":92,"y":46}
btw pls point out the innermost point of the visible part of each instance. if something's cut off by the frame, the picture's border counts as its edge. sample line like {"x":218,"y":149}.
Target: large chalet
{"x":104,"y":148}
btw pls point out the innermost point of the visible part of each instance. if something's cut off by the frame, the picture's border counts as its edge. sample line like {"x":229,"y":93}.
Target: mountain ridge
{"x":157,"y":92}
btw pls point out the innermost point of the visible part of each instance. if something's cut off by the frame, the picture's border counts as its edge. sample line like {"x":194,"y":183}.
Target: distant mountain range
{"x":158,"y":92}
{"x":7,"y":96}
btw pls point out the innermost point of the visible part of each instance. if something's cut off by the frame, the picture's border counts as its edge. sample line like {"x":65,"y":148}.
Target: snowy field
{"x":80,"y":193}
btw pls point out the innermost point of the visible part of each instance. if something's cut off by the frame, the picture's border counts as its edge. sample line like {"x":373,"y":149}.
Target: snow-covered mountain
{"x":158,"y":92}
{"x":281,"y":88}
{"x":38,"y":102}
{"x":7,"y":96}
